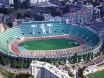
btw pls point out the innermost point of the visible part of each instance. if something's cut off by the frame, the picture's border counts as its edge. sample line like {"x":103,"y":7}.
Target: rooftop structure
{"x":36,"y":1}
{"x":90,"y":69}
{"x":46,"y":70}
{"x":1,"y":27}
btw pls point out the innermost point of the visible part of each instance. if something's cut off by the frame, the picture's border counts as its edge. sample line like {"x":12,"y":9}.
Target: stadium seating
{"x":90,"y":38}
{"x":66,"y":28}
{"x":55,"y":53}
{"x":9,"y":36}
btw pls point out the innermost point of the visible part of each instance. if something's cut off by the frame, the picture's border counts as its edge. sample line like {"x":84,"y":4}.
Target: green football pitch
{"x":98,"y":74}
{"x":50,"y":44}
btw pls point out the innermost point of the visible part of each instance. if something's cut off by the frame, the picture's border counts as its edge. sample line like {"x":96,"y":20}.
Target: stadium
{"x":15,"y":41}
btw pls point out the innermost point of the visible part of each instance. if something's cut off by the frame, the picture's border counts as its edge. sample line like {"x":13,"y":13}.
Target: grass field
{"x":51,"y":44}
{"x":99,"y":74}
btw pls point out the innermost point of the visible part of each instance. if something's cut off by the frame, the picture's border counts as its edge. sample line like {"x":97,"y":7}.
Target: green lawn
{"x":51,"y":44}
{"x":99,"y":74}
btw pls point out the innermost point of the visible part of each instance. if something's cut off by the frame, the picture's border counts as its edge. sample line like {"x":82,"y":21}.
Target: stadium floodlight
{"x":50,"y":25}
{"x":33,"y":30}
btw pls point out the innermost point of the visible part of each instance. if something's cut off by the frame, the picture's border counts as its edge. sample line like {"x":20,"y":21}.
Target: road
{"x":15,"y":70}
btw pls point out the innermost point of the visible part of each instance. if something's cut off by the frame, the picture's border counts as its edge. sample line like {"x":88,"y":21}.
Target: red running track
{"x":15,"y":49}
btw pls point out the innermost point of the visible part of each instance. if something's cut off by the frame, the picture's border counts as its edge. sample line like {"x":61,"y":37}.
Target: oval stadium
{"x":68,"y":40}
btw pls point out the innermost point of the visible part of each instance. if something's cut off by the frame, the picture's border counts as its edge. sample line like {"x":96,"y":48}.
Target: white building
{"x":46,"y":70}
{"x":31,"y":1}
{"x":90,"y":69}
{"x":14,"y":23}
{"x":36,"y":1}
{"x":1,"y":27}
{"x":11,"y":1}
{"x":1,"y":17}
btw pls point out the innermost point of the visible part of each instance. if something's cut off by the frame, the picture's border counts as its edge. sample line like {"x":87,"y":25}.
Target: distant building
{"x":90,"y":69}
{"x":103,"y":6}
{"x":11,"y":1}
{"x":14,"y":23}
{"x":36,"y":1}
{"x":8,"y":2}
{"x":1,"y":17}
{"x":1,"y":27}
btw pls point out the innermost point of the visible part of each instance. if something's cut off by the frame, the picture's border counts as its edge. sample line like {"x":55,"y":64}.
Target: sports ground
{"x":49,"y":44}
{"x":99,"y":74}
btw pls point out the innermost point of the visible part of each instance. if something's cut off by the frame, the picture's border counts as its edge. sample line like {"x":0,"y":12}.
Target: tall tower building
{"x":11,"y":1}
{"x":1,"y":27}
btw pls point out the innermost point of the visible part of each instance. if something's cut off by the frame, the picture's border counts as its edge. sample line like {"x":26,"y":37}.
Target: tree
{"x":1,"y":58}
{"x":19,"y":15}
{"x":73,"y":67}
{"x":85,"y":57}
{"x":7,"y":74}
{"x":66,"y":68}
{"x":21,"y":64}
{"x":81,"y":72}
{"x":25,"y":65}
{"x":79,"y":58}
{"x":92,"y":55}
{"x":14,"y":64}
{"x":88,"y":57}
{"x":75,"y":58}
{"x":54,"y":62}
{"x":44,"y":59}
{"x":25,"y":4}
{"x":11,"y":75}
{"x":59,"y":62}
{"x":6,"y":61}
{"x":97,"y":54}
{"x":29,"y":62}
{"x":50,"y":60}
{"x":102,"y":49}
{"x":11,"y":5}
{"x":65,"y":60}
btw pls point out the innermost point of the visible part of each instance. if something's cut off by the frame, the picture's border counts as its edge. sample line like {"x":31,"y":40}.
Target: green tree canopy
{"x":6,"y":61}
{"x":14,"y":63}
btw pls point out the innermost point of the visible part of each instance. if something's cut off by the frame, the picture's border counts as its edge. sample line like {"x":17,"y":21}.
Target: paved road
{"x":93,"y":62}
{"x":15,"y":69}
